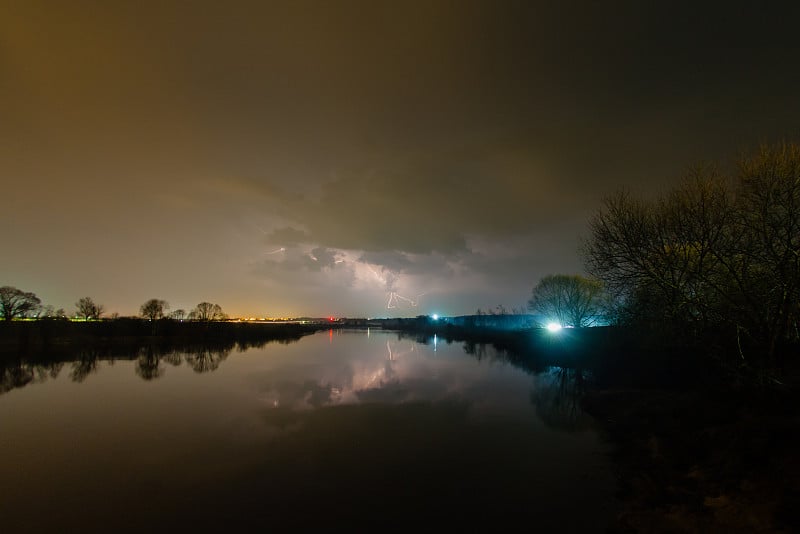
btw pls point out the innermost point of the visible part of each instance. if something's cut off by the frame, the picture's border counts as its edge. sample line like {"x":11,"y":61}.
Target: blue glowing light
{"x":553,"y":327}
{"x":435,"y":316}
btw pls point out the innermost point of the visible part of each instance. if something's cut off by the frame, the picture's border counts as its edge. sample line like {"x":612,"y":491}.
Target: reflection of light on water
{"x":399,"y":370}
{"x":375,"y":377}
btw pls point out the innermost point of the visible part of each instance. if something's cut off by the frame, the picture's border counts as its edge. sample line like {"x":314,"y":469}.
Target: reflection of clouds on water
{"x":360,"y":379}
{"x":404,"y":371}
{"x":299,"y":396}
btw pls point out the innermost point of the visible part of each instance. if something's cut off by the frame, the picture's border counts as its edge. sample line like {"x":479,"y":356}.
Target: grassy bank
{"x":721,"y":459}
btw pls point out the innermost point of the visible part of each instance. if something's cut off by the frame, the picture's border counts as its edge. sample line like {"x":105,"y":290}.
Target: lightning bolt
{"x":394,"y":297}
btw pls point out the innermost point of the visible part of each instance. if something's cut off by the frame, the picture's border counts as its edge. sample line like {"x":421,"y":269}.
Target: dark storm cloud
{"x":393,"y":260}
{"x":323,"y":258}
{"x":410,"y":264}
{"x":516,"y":119}
{"x":296,"y":266}
{"x":451,"y":145}
{"x":424,"y":210}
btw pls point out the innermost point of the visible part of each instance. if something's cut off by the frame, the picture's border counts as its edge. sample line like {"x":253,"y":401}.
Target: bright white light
{"x":435,"y":316}
{"x":553,"y":327}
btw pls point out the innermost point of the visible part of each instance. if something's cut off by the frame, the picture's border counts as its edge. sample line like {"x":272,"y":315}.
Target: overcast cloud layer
{"x":357,"y":158}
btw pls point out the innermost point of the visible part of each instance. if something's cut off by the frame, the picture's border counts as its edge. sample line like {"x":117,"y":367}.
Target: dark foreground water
{"x":358,"y":430}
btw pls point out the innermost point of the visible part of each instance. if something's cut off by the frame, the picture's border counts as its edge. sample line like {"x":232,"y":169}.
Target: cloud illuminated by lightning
{"x":395,"y":299}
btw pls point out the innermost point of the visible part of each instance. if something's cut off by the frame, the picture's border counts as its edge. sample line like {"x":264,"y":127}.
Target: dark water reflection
{"x":17,"y":372}
{"x":343,"y":429}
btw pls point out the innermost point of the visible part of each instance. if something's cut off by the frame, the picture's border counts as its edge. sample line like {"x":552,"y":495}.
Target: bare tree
{"x":206,"y":311}
{"x":178,"y":315}
{"x":715,"y":252}
{"x":154,"y":309}
{"x":88,"y":309}
{"x":769,"y":203}
{"x":572,"y":300}
{"x":17,"y":303}
{"x":665,"y":255}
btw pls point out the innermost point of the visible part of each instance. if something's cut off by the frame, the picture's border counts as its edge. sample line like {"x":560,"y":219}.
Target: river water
{"x":363,"y":430}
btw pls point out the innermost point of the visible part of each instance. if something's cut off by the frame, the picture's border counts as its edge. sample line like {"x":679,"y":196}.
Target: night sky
{"x":357,"y":159}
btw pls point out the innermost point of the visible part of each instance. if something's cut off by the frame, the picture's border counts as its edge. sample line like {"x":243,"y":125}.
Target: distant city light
{"x":553,"y":327}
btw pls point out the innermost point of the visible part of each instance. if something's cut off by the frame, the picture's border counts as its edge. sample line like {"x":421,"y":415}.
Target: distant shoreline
{"x":31,"y":337}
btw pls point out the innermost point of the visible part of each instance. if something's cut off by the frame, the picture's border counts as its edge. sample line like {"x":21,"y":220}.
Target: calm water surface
{"x":351,"y":429}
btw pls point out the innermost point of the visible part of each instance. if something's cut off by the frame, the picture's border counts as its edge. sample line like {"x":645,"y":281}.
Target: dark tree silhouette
{"x":88,"y":309}
{"x":154,"y":309}
{"x":571,"y":299}
{"x":716,"y":253}
{"x":206,"y":311}
{"x":769,"y":201}
{"x":17,"y":303}
{"x":664,"y":258}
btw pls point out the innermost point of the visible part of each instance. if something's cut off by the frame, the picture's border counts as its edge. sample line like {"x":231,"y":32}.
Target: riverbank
{"x":51,"y":337}
{"x":692,"y":453}
{"x":696,"y":460}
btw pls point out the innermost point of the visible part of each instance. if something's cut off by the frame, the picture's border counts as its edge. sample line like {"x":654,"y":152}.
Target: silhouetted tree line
{"x":715,"y":262}
{"x":44,"y":336}
{"x":15,"y":303}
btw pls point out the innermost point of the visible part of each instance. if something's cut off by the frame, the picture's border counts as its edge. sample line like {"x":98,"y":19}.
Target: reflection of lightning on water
{"x":394,"y":355}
